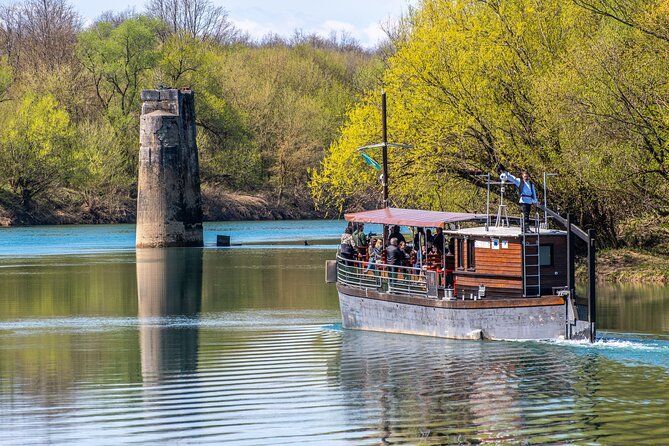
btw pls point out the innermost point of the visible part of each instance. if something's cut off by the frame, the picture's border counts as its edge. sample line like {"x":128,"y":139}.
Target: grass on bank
{"x":629,"y":266}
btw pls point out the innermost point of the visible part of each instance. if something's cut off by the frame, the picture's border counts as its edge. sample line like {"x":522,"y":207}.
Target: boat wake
{"x":227,"y":320}
{"x":626,"y":348}
{"x":618,"y":341}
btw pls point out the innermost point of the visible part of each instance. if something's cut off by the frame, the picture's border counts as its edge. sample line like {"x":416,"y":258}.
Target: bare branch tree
{"x":10,"y":31}
{"x":199,"y":18}
{"x":116,"y":18}
{"x":39,"y":33}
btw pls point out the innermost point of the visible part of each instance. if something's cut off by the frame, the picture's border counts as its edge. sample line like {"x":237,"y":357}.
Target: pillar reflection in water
{"x":169,"y":285}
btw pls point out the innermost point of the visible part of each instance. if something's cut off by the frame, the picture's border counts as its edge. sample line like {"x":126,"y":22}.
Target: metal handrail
{"x":396,"y":279}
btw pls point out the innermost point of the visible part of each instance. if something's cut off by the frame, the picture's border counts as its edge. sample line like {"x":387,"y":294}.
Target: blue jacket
{"x":526,"y":190}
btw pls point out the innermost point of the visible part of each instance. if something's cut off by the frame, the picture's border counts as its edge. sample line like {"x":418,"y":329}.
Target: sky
{"x":360,"y":18}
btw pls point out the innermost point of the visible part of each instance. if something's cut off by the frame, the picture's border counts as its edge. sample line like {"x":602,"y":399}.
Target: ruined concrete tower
{"x":169,"y":205}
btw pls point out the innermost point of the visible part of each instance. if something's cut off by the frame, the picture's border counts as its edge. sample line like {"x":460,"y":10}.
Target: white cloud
{"x":256,"y":30}
{"x":333,"y":25}
{"x":364,"y":24}
{"x":374,"y":34}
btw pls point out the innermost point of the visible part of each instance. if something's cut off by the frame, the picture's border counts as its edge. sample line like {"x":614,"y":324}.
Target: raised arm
{"x":506,"y":176}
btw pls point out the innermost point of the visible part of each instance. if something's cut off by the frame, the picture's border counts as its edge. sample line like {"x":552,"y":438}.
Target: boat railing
{"x":380,"y":276}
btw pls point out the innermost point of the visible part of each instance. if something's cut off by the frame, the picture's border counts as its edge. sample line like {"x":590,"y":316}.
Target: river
{"x":243,"y":345}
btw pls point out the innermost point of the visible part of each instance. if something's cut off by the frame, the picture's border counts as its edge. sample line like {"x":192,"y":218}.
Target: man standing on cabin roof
{"x":527,"y":192}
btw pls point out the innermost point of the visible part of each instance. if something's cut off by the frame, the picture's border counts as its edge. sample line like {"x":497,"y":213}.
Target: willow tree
{"x":461,"y":89}
{"x":483,"y":86}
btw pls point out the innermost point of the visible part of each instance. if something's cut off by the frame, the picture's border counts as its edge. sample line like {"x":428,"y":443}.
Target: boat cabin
{"x":505,"y":262}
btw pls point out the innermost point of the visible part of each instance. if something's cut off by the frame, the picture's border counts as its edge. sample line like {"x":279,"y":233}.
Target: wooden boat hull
{"x":495,"y":319}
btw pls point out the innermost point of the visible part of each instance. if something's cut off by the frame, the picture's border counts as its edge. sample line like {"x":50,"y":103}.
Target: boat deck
{"x":455,"y":303}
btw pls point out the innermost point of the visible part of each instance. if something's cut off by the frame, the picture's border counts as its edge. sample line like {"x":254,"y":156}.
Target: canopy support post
{"x":384,"y":141}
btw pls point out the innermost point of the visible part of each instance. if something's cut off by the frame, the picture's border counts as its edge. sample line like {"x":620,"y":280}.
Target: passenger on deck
{"x":406,"y":250}
{"x":395,"y":233}
{"x":394,"y":254}
{"x":429,"y":238}
{"x":438,"y":241}
{"x":374,"y":253}
{"x":346,"y":249}
{"x":359,"y":237}
{"x":419,"y":238}
{"x":527,"y":192}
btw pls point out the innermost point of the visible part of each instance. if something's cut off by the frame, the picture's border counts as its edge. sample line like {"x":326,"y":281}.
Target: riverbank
{"x":217,"y":205}
{"x":629,"y":266}
{"x":626,"y":265}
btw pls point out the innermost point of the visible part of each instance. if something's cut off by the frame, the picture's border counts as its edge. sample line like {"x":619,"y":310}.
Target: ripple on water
{"x":205,"y":380}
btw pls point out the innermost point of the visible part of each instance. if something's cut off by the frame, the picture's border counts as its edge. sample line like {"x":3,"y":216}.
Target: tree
{"x":39,"y":33}
{"x":6,"y":78}
{"x":101,"y":174}
{"x":36,"y":144}
{"x":480,"y":86}
{"x":196,"y":18}
{"x":118,"y":63}
{"x":117,"y":58}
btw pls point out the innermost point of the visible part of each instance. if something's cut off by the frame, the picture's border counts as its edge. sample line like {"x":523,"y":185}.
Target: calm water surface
{"x":102,"y":345}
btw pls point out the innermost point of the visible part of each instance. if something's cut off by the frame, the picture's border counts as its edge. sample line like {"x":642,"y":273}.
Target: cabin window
{"x":461,"y":254}
{"x":546,"y":255}
{"x":471,"y":254}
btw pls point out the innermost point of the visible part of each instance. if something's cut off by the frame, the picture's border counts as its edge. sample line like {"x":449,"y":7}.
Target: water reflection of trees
{"x":169,"y":285}
{"x":266,"y":278}
{"x":48,"y":363}
{"x":633,"y":307}
{"x":406,"y":388}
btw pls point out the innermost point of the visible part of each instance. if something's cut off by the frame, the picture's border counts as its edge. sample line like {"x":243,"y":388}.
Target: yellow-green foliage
{"x":35,"y":145}
{"x":266,"y":114}
{"x":542,"y":85}
{"x":273,"y":111}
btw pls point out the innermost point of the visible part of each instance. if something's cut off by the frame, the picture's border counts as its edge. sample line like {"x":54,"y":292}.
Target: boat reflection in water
{"x":416,"y":389}
{"x":169,"y":285}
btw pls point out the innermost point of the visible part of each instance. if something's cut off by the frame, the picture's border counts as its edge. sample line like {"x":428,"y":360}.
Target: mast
{"x":384,"y":142}
{"x":384,"y":145}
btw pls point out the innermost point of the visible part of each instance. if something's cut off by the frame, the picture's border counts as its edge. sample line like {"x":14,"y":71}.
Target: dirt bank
{"x":217,"y":205}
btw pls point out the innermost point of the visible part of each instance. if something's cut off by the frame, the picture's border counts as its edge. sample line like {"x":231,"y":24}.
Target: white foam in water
{"x":240,"y":319}
{"x":630,"y":342}
{"x":609,"y":344}
{"x":69,"y":324}
{"x":606,"y":342}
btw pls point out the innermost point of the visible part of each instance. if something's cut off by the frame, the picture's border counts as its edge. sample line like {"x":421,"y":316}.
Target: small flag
{"x":370,"y":161}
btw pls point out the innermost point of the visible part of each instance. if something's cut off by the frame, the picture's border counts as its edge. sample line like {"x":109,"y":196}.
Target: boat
{"x":499,"y":279}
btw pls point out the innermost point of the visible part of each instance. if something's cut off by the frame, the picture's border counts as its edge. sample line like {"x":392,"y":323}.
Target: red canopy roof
{"x":410,"y":217}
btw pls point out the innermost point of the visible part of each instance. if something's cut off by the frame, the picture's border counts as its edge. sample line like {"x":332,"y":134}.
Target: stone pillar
{"x":169,"y":205}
